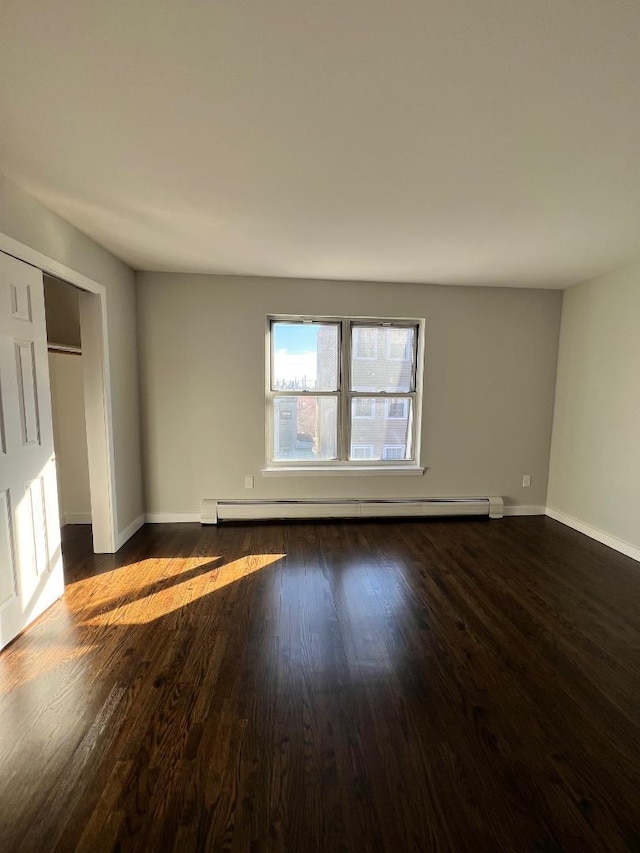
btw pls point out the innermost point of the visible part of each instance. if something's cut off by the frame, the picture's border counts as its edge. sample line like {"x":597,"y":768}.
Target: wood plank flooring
{"x":430,"y":685}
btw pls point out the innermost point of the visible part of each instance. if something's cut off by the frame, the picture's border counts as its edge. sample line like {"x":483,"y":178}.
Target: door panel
{"x":28,"y":393}
{"x":31,"y":575}
{"x":3,"y":441}
{"x":8,"y":579}
{"x":37,"y":517}
{"x":21,"y":301}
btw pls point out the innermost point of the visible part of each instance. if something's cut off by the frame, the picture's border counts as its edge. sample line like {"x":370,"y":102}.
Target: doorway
{"x":66,"y":378}
{"x":92,"y":300}
{"x":31,"y":572}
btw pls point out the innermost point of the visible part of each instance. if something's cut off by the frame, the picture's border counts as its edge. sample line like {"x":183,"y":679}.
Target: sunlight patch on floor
{"x":129,"y":576}
{"x":155,"y":604}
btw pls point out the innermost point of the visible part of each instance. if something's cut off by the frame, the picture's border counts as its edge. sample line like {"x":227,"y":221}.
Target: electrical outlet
{"x":526,"y":481}
{"x":248,"y":482}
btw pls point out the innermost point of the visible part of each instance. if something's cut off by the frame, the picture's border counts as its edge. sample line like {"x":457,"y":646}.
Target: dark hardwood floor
{"x":402,"y":686}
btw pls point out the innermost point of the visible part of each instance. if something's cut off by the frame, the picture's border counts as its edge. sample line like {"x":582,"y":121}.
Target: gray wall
{"x":26,"y":220}
{"x":595,"y":454}
{"x":488,"y":392}
{"x":62,"y":309}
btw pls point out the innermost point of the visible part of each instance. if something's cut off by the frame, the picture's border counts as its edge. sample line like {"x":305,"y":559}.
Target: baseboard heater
{"x":214,"y":511}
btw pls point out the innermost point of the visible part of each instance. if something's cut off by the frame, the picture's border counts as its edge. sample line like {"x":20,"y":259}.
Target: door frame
{"x":97,"y":388}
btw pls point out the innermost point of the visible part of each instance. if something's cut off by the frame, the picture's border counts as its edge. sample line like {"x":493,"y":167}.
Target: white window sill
{"x":343,"y":471}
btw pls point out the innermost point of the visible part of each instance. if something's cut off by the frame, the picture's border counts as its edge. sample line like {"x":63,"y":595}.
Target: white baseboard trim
{"x":620,"y":545}
{"x":127,"y":533}
{"x":519,"y":509}
{"x":171,"y":517}
{"x":76,"y":518}
{"x":608,"y":539}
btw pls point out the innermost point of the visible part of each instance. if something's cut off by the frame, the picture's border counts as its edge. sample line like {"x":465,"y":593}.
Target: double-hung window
{"x":341,"y":392}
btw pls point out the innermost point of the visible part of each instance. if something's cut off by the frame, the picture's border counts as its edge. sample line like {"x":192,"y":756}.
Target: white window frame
{"x":342,"y":464}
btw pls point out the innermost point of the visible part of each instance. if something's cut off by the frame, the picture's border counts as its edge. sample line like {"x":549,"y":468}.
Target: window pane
{"x":362,"y":451}
{"x":305,"y":428}
{"x":363,"y":407}
{"x":393,"y":451}
{"x":399,"y":343}
{"x":386,"y":431}
{"x":396,"y":408}
{"x":383,"y":358}
{"x":305,"y":356}
{"x":365,"y":342}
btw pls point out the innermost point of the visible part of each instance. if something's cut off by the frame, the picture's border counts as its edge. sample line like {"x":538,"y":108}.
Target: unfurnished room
{"x":320,"y":426}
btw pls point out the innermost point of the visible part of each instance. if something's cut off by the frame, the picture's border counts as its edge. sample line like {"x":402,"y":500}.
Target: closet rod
{"x":64,"y":349}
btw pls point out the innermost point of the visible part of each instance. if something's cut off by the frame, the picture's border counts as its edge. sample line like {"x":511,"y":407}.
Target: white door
{"x":31,"y":576}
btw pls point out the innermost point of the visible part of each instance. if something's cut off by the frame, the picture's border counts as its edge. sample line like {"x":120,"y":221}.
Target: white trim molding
{"x":171,"y":517}
{"x":347,"y":470}
{"x":608,"y":539}
{"x":97,"y":384}
{"x":522,"y":509}
{"x":48,"y":265}
{"x":126,"y":534}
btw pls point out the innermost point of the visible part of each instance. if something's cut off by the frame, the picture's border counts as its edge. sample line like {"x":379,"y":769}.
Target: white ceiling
{"x":451,"y":141}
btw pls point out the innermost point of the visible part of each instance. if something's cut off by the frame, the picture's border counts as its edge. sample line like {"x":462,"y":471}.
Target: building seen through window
{"x":350,"y":388}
